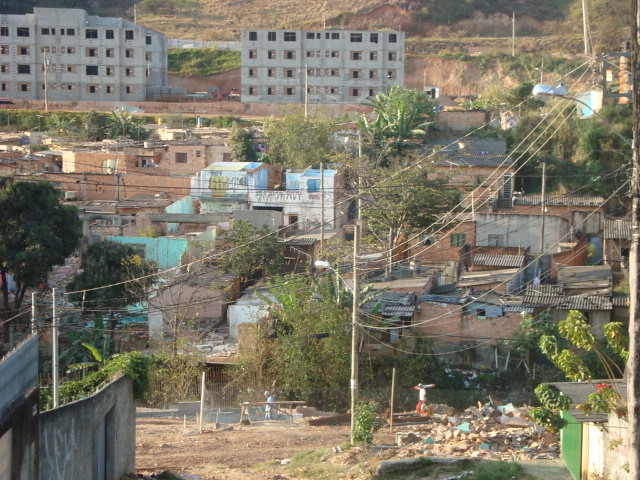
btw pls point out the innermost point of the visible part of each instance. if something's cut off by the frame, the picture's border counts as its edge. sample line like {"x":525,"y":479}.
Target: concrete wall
{"x":93,"y":438}
{"x":166,"y":252}
{"x":19,"y":412}
{"x":617,"y":449}
{"x":460,"y":121}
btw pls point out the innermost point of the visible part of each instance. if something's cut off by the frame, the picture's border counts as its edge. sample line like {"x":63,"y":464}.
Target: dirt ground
{"x":231,"y":452}
{"x":260,"y":451}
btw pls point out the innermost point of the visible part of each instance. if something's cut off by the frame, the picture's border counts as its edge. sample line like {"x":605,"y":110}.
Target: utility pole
{"x":544,"y":207}
{"x":355,"y":317}
{"x":513,"y":34}
{"x":633,"y":362}
{"x":33,"y":313}
{"x":54,"y":353}
{"x":321,"y":207}
{"x":586,"y":32}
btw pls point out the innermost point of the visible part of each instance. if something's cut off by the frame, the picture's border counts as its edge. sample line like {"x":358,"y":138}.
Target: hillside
{"x":447,"y":21}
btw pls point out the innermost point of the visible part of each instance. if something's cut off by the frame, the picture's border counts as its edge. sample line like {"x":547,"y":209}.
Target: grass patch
{"x":500,"y":471}
{"x":200,"y":62}
{"x":315,"y":465}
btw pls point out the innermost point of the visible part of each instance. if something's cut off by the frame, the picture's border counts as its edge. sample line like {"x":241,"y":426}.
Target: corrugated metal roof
{"x":560,"y":200}
{"x":469,"y":279}
{"x":620,"y":300}
{"x":475,"y":160}
{"x":587,"y":277}
{"x":617,"y":229}
{"x":504,"y":261}
{"x":569,"y":302}
{"x":299,"y":242}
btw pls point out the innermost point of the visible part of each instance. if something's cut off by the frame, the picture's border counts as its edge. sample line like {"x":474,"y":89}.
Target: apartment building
{"x":64,"y":54}
{"x":319,"y":66}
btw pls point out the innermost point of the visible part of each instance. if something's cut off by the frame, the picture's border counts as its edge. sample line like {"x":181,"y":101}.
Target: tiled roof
{"x":398,"y":310}
{"x":560,"y":200}
{"x":299,"y":242}
{"x":617,"y":229}
{"x":503,"y":261}
{"x":569,"y":302}
{"x":620,"y":300}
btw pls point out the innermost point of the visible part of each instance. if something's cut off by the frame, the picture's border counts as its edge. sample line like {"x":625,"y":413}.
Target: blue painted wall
{"x":166,"y":252}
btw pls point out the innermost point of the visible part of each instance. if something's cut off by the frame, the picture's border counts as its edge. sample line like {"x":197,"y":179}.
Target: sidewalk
{"x":546,"y":469}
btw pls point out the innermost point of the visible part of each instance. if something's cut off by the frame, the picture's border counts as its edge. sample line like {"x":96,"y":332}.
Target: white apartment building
{"x":67,"y":55}
{"x":319,"y":66}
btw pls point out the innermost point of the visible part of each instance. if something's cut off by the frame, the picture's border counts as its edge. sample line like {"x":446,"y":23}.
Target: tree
{"x":398,"y":200}
{"x":248,"y":251}
{"x":36,"y":233}
{"x":121,"y":124}
{"x":242,"y":146}
{"x":95,"y":126}
{"x":113,"y":277}
{"x":401,"y":114}
{"x":299,"y":141}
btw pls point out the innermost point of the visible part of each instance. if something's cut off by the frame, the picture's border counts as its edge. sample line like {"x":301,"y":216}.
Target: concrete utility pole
{"x":355,"y":319}
{"x":633,"y":363}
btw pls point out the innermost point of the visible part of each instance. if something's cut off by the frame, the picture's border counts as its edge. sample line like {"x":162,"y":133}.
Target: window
{"x":71,"y":50}
{"x":391,"y":74}
{"x":91,"y":69}
{"x":252,"y":91}
{"x":356,"y":55}
{"x":128,"y":53}
{"x":457,"y":239}
{"x":289,"y":36}
{"x":109,"y":35}
{"x":181,"y":157}
{"x":44,"y":31}
{"x":356,"y":38}
{"x":373,"y":92}
{"x":289,"y":73}
{"x":109,"y":89}
{"x":392,"y":56}
{"x":129,"y":72}
{"x":335,"y":54}
{"x":373,"y":56}
{"x":148,"y":40}
{"x":271,"y":54}
{"x":71,"y":69}
{"x":335,"y":36}
{"x":253,"y":54}
{"x":393,"y":38}
{"x":198,"y":153}
{"x":310,"y":53}
{"x":71,"y":32}
{"x":109,"y":52}
{"x":92,"y":52}
{"x":496,"y":240}
{"x":91,"y":33}
{"x":128,"y":34}
{"x":373,"y":74}
{"x":4,"y":49}
{"x":4,"y":31}
{"x":23,"y":50}
{"x":24,"y":69}
{"x":481,"y":313}
{"x":22,"y":31}
{"x":355,"y":74}
{"x":271,"y":91}
{"x":5,"y":87}
{"x":253,"y":36}
{"x":289,"y":54}
{"x":69,"y":87}
{"x":310,"y":36}
{"x":334,"y":90}
{"x":270,"y":72}
{"x":24,"y":87}
{"x":4,"y":68}
{"x":128,"y":90}
{"x":271,"y":36}
{"x":373,"y":38}
{"x":252,"y":72}
{"x":355,"y":92}
{"x":289,"y":91}
{"x":92,"y":88}
{"x":333,"y":72}
{"x":313,"y":185}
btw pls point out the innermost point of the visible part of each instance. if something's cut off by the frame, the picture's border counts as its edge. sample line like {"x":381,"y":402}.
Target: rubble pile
{"x":505,"y":433}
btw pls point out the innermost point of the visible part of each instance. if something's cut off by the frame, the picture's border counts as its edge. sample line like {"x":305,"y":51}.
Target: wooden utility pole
{"x":633,"y":362}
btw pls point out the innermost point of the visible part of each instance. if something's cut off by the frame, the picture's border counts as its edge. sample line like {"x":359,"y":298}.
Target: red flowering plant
{"x":604,"y":400}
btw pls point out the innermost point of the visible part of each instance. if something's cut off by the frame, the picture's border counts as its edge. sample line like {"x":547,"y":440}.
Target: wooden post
{"x":393,"y":389}
{"x":202,"y":392}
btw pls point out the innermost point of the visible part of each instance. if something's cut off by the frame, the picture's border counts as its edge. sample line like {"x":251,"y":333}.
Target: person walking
{"x":422,"y":396}
{"x":268,"y":407}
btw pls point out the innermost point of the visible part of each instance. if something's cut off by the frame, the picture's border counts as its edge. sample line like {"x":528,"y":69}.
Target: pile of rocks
{"x":504,"y":432}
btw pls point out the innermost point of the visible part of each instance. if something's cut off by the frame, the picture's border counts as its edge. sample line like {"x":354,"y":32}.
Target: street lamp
{"x":355,"y":295}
